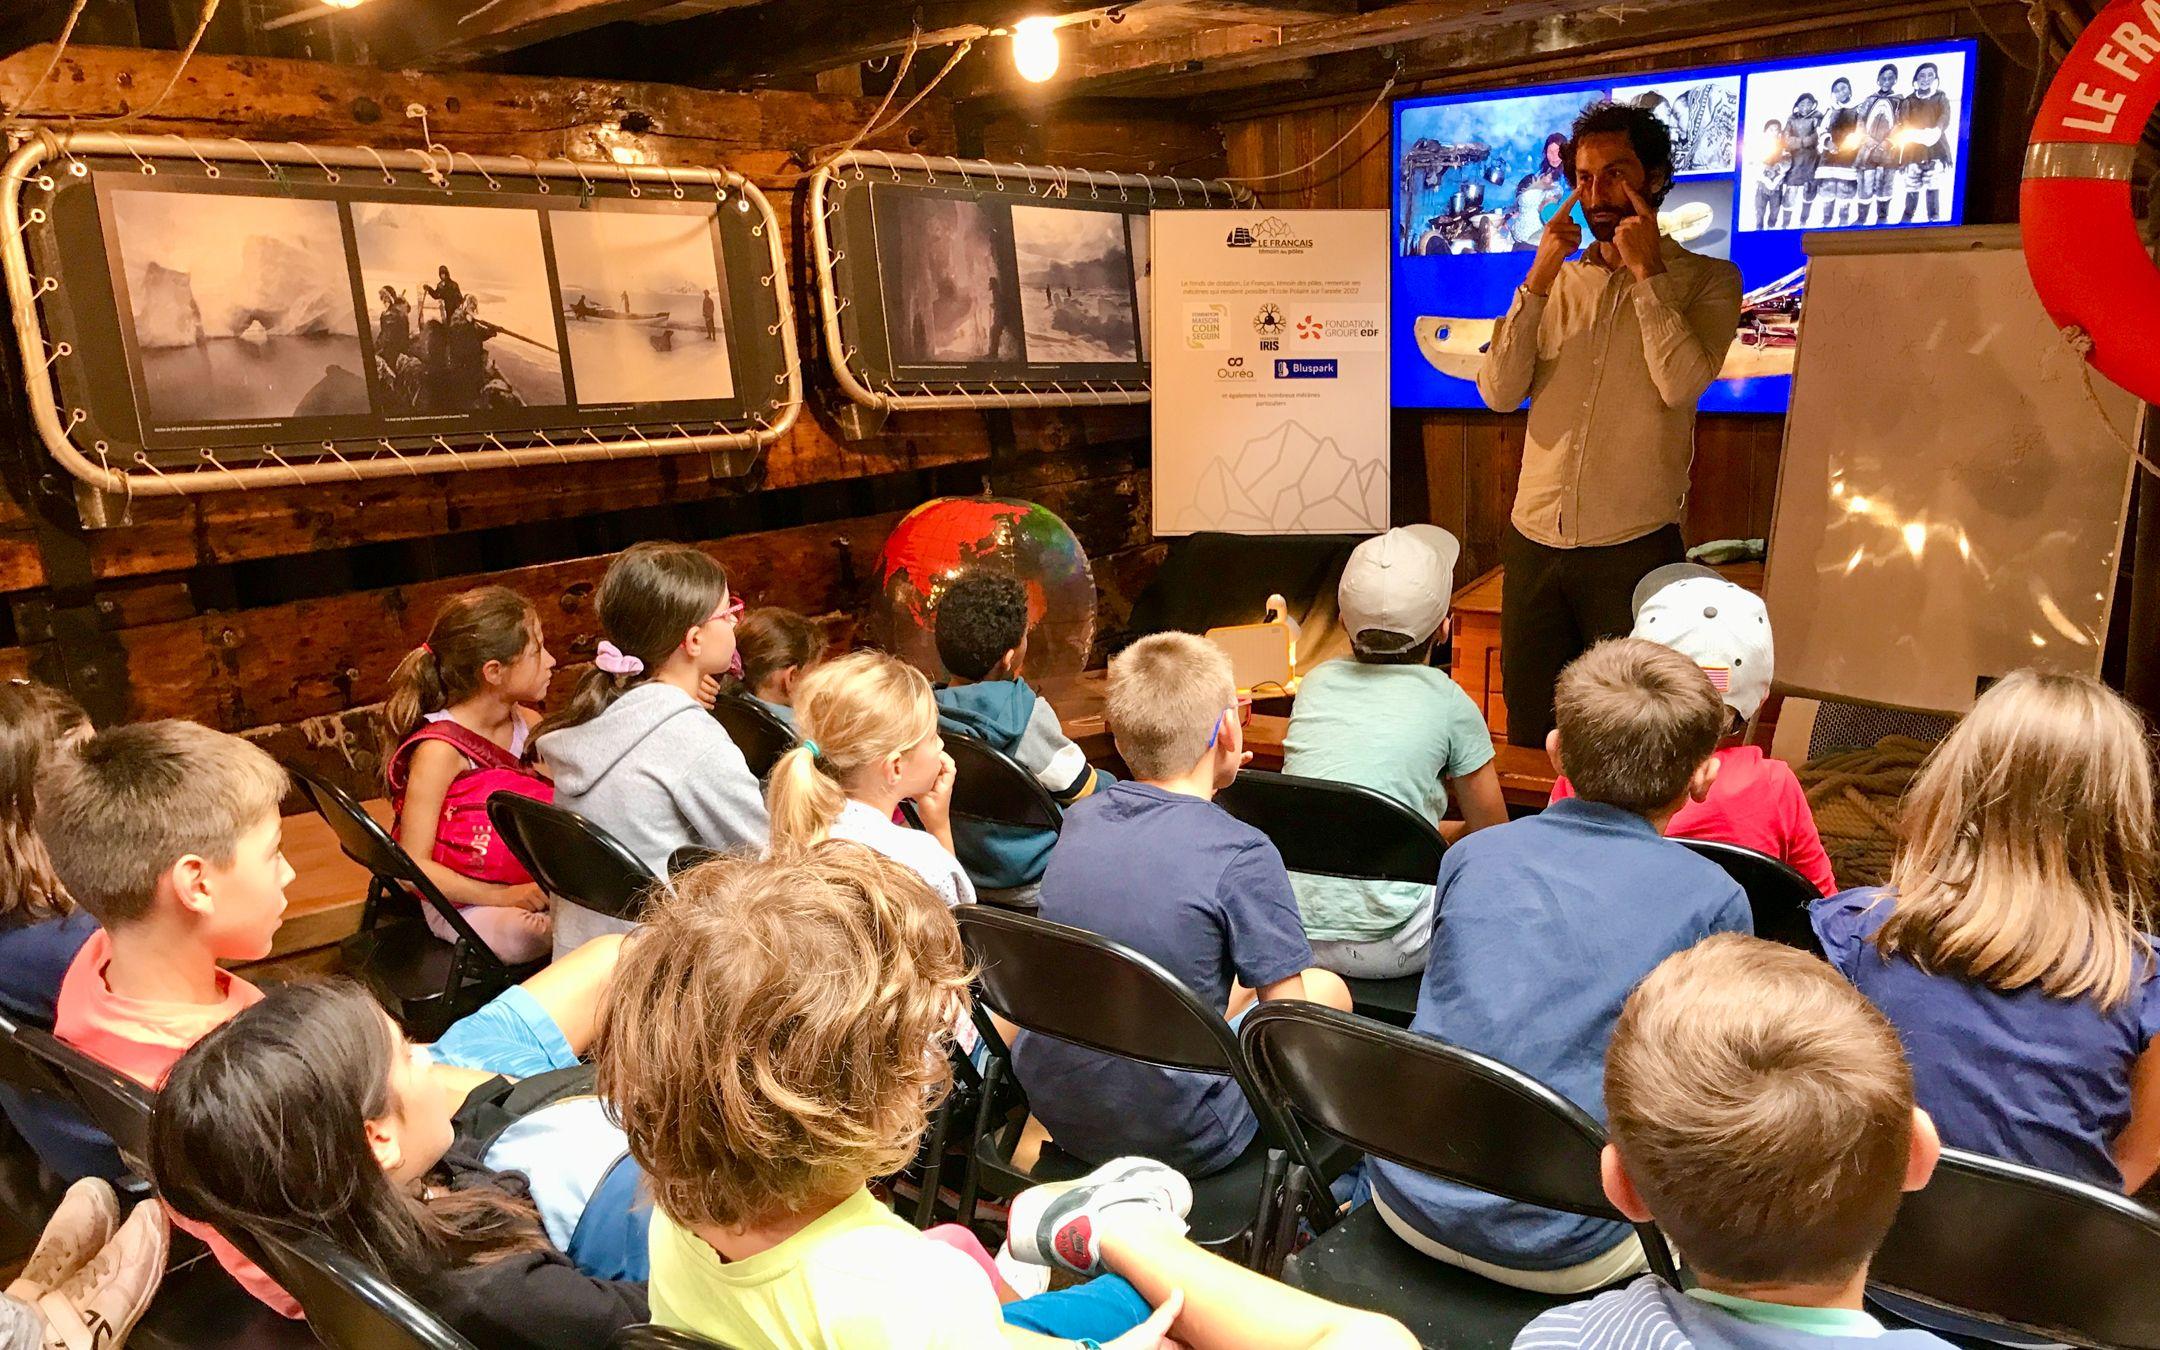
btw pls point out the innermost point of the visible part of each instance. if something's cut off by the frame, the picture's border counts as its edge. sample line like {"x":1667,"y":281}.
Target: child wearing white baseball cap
{"x":1756,"y":802}
{"x":1388,"y":721}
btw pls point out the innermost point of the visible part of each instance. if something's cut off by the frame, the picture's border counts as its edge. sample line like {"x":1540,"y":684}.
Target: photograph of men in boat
{"x":239,"y":308}
{"x":463,"y":320}
{"x":643,"y":299}
{"x":948,"y":276}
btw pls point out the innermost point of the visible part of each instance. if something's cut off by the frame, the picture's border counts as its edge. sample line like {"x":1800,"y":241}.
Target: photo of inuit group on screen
{"x":1858,"y":140}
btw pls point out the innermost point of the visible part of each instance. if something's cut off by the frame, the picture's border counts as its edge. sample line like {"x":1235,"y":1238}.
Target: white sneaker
{"x":101,"y":1303}
{"x":1058,"y":1224}
{"x":83,"y":1223}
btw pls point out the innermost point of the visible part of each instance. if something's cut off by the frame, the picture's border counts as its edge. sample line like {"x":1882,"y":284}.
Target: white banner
{"x":1270,"y":348}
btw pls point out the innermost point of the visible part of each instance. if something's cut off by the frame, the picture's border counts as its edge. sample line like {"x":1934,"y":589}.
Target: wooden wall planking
{"x":279,"y":612}
{"x":1467,"y":461}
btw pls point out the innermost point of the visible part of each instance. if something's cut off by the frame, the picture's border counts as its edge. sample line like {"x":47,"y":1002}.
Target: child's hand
{"x":1153,"y":1334}
{"x":708,"y":690}
{"x":935,"y":806}
{"x":528,"y":897}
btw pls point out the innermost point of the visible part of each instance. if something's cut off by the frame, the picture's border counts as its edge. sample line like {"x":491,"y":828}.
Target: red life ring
{"x":2092,"y":271}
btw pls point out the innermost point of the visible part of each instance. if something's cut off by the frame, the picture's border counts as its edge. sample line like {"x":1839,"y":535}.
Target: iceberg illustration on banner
{"x":1290,"y":480}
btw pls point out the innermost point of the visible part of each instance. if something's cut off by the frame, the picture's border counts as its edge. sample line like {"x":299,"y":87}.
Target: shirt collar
{"x":1812,"y":1321}
{"x":1601,"y":815}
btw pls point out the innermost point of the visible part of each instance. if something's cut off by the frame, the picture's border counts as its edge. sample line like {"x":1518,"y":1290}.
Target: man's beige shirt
{"x":1613,"y":368}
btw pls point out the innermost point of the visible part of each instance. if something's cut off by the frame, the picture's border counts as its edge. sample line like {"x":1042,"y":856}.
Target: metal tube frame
{"x":857,"y":163}
{"x":25,"y":168}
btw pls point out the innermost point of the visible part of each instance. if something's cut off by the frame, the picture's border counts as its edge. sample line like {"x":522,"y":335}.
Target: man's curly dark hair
{"x":981,"y":616}
{"x":1651,"y":138}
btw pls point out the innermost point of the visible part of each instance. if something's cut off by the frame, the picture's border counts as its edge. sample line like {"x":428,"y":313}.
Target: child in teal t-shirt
{"x":1390,"y":722}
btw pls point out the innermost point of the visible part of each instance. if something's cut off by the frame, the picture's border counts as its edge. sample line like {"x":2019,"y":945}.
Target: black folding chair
{"x":1076,"y":986}
{"x":425,"y":982}
{"x":2025,"y":1251}
{"x":117,"y":1105}
{"x":991,"y":791}
{"x":1343,"y":830}
{"x":1438,"y":1109}
{"x":761,"y":736}
{"x":573,"y":859}
{"x":1778,"y":896}
{"x":29,"y":1191}
{"x":646,"y":1336}
{"x":350,"y":1305}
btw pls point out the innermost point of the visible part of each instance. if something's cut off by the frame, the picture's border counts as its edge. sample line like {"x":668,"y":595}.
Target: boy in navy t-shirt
{"x":1156,"y":865}
{"x":1544,"y":926}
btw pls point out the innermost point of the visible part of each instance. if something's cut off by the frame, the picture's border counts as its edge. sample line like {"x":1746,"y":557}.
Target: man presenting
{"x":1613,"y":350}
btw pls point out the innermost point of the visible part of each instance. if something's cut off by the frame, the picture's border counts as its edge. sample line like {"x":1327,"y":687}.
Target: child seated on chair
{"x":1390,"y":722}
{"x":1545,"y":924}
{"x":2009,"y":947}
{"x":1154,"y":864}
{"x":310,"y":1114}
{"x":455,"y":725}
{"x":168,"y":832}
{"x":1761,"y":1114}
{"x":777,"y":647}
{"x":982,"y":639}
{"x":761,"y":1103}
{"x":1756,"y":802}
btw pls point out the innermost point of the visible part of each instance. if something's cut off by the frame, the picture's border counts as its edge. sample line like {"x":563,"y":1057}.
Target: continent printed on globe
{"x":939,"y":541}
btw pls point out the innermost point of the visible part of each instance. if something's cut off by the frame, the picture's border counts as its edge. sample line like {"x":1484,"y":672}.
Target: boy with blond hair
{"x":168,"y":833}
{"x":1761,"y":1113}
{"x":1544,"y":926}
{"x":1154,"y":864}
{"x":760,"y":1104}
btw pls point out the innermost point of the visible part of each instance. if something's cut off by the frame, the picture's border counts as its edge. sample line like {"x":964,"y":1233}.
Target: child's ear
{"x":1704,"y":778}
{"x":189,"y":879}
{"x":1619,"y":1188}
{"x":1552,"y":749}
{"x":1926,"y":1151}
{"x":787,"y":675}
{"x":491,"y":674}
{"x":383,"y":1142}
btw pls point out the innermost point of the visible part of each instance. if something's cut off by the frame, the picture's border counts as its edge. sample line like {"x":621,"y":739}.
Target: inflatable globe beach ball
{"x":942,"y":540}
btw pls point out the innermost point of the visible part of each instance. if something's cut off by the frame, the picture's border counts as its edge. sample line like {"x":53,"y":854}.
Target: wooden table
{"x":1526,"y":777}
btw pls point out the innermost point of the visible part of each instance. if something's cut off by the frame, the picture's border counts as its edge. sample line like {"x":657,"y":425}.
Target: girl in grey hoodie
{"x":636,"y":751}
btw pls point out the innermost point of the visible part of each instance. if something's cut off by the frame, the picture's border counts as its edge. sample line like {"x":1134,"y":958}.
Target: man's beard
{"x":1604,"y":227}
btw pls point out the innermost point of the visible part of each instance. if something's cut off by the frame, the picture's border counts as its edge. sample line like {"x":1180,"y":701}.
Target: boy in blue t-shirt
{"x":1544,"y":926}
{"x":1156,"y":865}
{"x":1390,"y":722}
{"x":982,"y":630}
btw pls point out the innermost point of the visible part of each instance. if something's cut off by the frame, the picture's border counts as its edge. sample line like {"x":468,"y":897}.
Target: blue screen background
{"x":1515,"y":124}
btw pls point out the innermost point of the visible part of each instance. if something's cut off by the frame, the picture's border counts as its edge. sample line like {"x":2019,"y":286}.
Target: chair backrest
{"x":1433,"y":1107}
{"x":349,"y":1306}
{"x":2027,"y":1250}
{"x":363,"y":839}
{"x":989,"y":786}
{"x":24,"y":1070}
{"x":689,"y":856}
{"x":1071,"y":984}
{"x":117,"y":1105}
{"x":761,"y":736}
{"x":1777,"y":895}
{"x":646,"y":1336}
{"x":572,"y":858}
{"x":1336,"y":829}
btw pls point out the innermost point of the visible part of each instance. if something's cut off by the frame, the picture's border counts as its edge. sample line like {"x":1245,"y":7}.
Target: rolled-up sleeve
{"x":1685,"y":340}
{"x":1510,"y":363}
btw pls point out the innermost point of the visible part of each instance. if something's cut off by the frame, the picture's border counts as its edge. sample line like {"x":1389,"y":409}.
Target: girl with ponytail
{"x":456,"y":731}
{"x":636,"y":750}
{"x":870,"y":741}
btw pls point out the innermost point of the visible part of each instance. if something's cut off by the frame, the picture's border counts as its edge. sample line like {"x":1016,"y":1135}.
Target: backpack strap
{"x":483,"y":752}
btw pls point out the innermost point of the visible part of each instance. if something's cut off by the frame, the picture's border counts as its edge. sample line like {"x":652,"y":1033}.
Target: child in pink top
{"x":1756,"y":801}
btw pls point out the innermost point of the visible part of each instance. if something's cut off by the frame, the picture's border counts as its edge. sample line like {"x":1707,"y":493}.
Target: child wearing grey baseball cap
{"x":1388,"y":721}
{"x":1756,"y":802}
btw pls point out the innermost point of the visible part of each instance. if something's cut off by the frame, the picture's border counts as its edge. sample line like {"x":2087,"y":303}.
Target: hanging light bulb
{"x":1035,"y":49}
{"x":342,"y":4}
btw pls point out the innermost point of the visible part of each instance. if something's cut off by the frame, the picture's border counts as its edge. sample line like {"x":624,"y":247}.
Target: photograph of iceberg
{"x":1076,"y":285}
{"x":459,"y":308}
{"x":240,"y":307}
{"x":643,"y":301}
{"x":949,"y":294}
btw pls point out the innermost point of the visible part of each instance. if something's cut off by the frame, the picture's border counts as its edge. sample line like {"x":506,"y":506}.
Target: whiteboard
{"x":1955,"y":481}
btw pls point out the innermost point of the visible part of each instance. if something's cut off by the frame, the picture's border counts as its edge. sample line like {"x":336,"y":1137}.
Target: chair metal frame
{"x":516,"y":819}
{"x":746,"y":720}
{"x":1738,"y":863}
{"x":302,"y":1262}
{"x":1039,"y":810}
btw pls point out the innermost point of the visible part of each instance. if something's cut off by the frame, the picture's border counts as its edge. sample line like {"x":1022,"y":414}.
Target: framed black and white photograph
{"x":459,"y":308}
{"x":644,"y":302}
{"x":236,"y":309}
{"x":1076,"y":285}
{"x":950,"y":289}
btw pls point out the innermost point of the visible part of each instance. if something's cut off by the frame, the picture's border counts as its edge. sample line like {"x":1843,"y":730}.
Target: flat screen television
{"x":1869,"y":139}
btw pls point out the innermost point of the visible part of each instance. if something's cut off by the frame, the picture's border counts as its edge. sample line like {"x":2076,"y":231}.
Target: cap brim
{"x":1665,"y":576}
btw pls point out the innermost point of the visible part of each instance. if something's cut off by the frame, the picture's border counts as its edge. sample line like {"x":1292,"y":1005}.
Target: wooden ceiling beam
{"x":432,"y":34}
{"x":784,"y":38}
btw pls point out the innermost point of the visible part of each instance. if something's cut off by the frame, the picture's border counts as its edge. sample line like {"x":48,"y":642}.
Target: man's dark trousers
{"x":1556,"y":602}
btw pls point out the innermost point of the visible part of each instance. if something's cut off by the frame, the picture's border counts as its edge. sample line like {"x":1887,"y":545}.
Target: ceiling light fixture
{"x":1035,"y":49}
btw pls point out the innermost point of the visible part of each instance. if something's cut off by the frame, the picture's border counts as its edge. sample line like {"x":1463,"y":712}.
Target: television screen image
{"x":644,"y":304}
{"x":238,"y":308}
{"x":1762,"y":153}
{"x":461,"y":313}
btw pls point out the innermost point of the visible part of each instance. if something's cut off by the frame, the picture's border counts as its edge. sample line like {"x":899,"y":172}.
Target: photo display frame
{"x":965,"y":283}
{"x":200,"y":316}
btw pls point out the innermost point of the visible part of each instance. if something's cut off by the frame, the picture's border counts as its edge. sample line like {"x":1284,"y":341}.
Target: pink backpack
{"x":465,"y":839}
